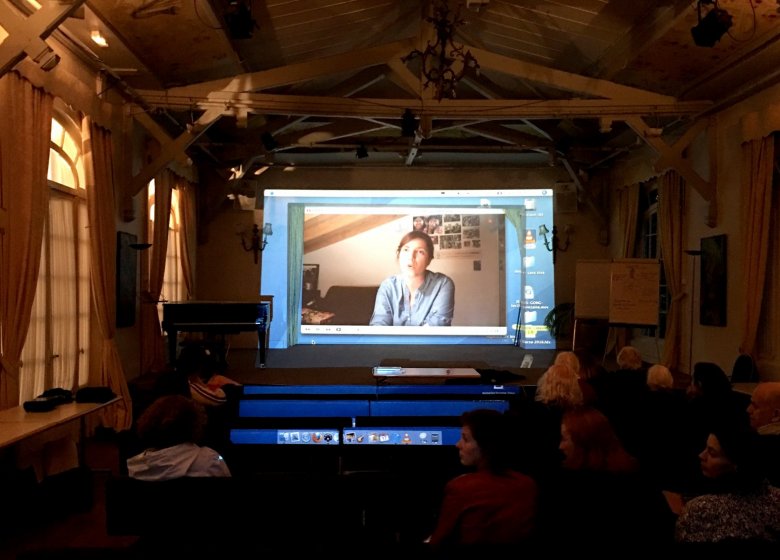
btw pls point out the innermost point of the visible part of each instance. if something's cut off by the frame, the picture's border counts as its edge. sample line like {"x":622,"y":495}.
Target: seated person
{"x":493,"y":506}
{"x":170,"y":430}
{"x":600,"y":501}
{"x":416,"y":296}
{"x":201,"y":367}
{"x":764,"y":413}
{"x":741,"y":505}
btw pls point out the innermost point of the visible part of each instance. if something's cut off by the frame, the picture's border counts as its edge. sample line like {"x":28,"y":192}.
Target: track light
{"x":408,"y":124}
{"x":238,"y":18}
{"x":269,"y":142}
{"x":712,"y":26}
{"x":361,"y":152}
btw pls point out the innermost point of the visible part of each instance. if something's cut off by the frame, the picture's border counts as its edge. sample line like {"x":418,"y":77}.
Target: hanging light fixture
{"x":444,"y":63}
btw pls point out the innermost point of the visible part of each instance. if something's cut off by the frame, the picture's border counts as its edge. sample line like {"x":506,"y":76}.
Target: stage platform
{"x":353,"y":364}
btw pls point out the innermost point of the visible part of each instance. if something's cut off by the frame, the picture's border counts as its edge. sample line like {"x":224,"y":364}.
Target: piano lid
{"x":182,"y":312}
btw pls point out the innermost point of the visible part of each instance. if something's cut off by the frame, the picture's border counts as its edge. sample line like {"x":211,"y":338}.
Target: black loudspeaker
{"x":711,"y":27}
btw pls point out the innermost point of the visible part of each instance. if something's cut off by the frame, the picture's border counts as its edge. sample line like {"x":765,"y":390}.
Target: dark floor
{"x":81,"y":531}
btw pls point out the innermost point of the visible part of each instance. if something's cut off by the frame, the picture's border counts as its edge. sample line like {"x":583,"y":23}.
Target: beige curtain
{"x":98,"y":158}
{"x":757,"y":161}
{"x":628,"y":216}
{"x":671,"y":194}
{"x":25,"y":128}
{"x":152,"y":346}
{"x":187,"y":236}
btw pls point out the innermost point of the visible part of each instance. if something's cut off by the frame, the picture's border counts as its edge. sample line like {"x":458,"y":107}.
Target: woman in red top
{"x":493,"y":506}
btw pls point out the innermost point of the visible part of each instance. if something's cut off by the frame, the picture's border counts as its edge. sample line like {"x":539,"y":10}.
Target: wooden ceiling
{"x":249,"y":83}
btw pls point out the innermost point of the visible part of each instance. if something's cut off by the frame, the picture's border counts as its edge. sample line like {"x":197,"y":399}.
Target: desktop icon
{"x":528,"y":292}
{"x":529,"y":316}
{"x":529,"y":261}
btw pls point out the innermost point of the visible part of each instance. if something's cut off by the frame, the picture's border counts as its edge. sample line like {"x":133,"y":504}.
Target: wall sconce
{"x":255,"y":244}
{"x":554,"y":244}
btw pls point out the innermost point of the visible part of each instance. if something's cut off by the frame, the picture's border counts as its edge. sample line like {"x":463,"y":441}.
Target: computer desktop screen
{"x":332,"y":249}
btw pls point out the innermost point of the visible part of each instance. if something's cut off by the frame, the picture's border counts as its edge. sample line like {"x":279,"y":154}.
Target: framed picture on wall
{"x":712,"y":295}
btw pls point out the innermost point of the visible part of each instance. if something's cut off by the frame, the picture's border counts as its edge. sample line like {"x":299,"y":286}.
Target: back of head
{"x":490,"y":430}
{"x":659,"y":377}
{"x":195,"y":359}
{"x":711,"y":380}
{"x":597,"y":446}
{"x":559,"y":385}
{"x":739,"y":443}
{"x":570,"y":359}
{"x":629,"y":358}
{"x":171,"y":420}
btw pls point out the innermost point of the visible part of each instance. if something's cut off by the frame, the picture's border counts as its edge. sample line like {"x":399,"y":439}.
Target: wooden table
{"x":16,"y":424}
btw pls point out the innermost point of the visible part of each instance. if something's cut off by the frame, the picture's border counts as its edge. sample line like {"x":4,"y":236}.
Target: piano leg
{"x":172,"y":345}
{"x":260,"y":362}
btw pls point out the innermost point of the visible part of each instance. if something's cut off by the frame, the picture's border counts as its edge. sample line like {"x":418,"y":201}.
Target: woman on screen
{"x":416,"y":296}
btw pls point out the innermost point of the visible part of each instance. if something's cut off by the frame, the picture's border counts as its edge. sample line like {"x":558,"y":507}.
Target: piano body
{"x":218,"y":317}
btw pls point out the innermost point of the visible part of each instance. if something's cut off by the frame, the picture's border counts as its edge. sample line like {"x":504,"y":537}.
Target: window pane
{"x":64,"y":316}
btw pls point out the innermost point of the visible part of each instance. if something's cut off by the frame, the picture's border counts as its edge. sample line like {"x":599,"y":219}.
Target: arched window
{"x":56,"y":351}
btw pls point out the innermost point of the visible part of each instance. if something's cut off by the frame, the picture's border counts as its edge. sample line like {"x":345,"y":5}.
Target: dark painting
{"x":712,"y":297}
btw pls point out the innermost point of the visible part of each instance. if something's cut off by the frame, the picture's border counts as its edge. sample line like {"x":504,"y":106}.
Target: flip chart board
{"x":623,"y":291}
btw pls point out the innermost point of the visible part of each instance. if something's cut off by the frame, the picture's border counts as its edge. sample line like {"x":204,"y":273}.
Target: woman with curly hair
{"x":537,"y":424}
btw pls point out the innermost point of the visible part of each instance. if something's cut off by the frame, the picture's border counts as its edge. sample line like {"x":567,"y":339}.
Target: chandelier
{"x":444,"y":63}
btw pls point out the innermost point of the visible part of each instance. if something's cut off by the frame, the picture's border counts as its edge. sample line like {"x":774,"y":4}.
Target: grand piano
{"x":218,"y":317}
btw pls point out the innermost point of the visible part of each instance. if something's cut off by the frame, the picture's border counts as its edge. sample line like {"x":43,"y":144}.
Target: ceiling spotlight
{"x":238,"y":18}
{"x":408,"y":124}
{"x":269,"y":142}
{"x":712,"y":26}
{"x":361,"y":152}
{"x":98,"y":38}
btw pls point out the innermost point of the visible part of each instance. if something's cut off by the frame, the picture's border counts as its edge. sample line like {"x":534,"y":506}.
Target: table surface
{"x":17,"y":424}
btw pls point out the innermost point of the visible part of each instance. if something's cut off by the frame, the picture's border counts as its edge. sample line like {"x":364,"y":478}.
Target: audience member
{"x":492,"y":506}
{"x":620,"y":395}
{"x":764,"y":408}
{"x":712,"y":399}
{"x":659,"y":377}
{"x":764,"y":413}
{"x":600,"y":501}
{"x":741,"y":505}
{"x":170,"y":430}
{"x":663,"y":441}
{"x":569,"y":358}
{"x":202,"y":368}
{"x":536,"y":425}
